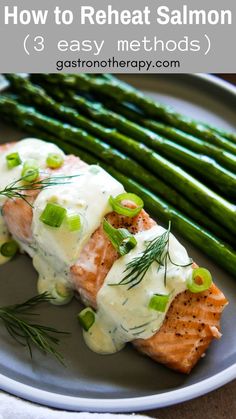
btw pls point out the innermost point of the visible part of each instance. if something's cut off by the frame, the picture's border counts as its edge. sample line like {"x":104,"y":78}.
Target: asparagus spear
{"x":134,"y":170}
{"x":123,"y":116}
{"x":225,"y":158}
{"x":207,"y":167}
{"x":104,"y":115}
{"x":122,"y":92}
{"x":100,"y":113}
{"x":210,"y":245}
{"x":222,"y":132}
{"x":206,"y":242}
{"x":228,"y":135}
{"x":220,"y":209}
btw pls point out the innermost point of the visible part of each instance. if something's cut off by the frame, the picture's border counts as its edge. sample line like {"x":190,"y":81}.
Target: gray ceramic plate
{"x":126,"y":381}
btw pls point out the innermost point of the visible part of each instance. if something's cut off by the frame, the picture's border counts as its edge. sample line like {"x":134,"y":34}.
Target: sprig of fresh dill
{"x":157,"y":250}
{"x":138,"y":267}
{"x":19,"y":189}
{"x":27,"y":333}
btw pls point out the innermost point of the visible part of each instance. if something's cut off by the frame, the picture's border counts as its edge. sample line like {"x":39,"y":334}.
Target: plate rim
{"x":220,"y":83}
{"x":123,"y":404}
{"x":132,"y":404}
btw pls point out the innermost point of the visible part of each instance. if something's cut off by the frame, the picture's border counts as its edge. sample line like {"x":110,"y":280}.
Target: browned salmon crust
{"x":192,"y":321}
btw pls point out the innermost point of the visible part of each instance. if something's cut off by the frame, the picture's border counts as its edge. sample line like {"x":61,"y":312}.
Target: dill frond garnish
{"x":27,"y":333}
{"x":19,"y":189}
{"x":157,"y":250}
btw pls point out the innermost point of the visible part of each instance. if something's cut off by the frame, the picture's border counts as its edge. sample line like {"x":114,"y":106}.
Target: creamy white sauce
{"x":123,"y":314}
{"x":86,"y":195}
{"x":29,"y":148}
{"x":50,"y":280}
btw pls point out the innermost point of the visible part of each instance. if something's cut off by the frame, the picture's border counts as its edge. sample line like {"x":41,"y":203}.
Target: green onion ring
{"x":9,"y":249}
{"x":199,"y":281}
{"x":30,"y":171}
{"x":122,"y":240}
{"x":53,"y":215}
{"x":13,"y":160}
{"x":86,"y":318}
{"x":54,"y":160}
{"x":73,"y":222}
{"x":116,"y":204}
{"x":159,"y":302}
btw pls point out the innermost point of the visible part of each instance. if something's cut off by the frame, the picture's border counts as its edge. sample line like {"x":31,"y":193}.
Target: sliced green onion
{"x":53,"y":215}
{"x":30,"y":171}
{"x":61,"y":294}
{"x":13,"y":160}
{"x":116,"y":204}
{"x":199,"y":281}
{"x":159,"y":302}
{"x":73,"y":222}
{"x":122,"y":240}
{"x":9,"y":249}
{"x":86,"y":318}
{"x":54,"y":161}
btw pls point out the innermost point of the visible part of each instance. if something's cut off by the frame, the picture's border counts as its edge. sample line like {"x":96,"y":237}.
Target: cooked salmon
{"x":192,"y":321}
{"x":18,"y":214}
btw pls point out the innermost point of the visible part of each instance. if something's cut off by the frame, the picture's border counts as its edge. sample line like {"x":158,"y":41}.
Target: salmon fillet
{"x":18,"y":214}
{"x":192,"y":321}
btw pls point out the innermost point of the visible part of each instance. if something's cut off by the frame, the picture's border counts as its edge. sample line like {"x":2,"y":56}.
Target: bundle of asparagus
{"x":184,"y":170}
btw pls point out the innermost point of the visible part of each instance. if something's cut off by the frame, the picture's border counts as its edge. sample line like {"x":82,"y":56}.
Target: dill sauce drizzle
{"x":123,"y":314}
{"x":58,"y":248}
